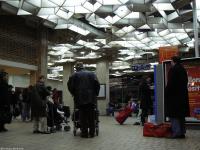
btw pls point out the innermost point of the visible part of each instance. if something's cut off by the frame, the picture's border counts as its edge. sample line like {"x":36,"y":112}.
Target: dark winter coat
{"x":144,"y":96}
{"x":4,"y":99}
{"x":176,"y":93}
{"x":39,"y":95}
{"x":4,"y":94}
{"x":84,"y":86}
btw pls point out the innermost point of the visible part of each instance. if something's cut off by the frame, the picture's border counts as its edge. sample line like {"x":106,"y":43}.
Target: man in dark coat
{"x":4,"y":100}
{"x":176,"y":94}
{"x":144,"y":98}
{"x":39,"y":95}
{"x":84,"y":87}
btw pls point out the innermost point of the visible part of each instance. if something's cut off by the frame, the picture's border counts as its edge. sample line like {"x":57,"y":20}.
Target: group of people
{"x":84,"y":87}
{"x":31,"y":103}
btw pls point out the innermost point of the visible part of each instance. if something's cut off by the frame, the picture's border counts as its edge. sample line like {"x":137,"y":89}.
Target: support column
{"x":33,"y":77}
{"x":196,"y":29}
{"x":42,"y":58}
{"x":102,"y":72}
{"x":67,"y":97}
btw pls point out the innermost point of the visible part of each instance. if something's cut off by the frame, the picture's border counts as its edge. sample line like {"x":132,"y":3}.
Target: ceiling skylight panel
{"x":78,"y":9}
{"x":13,"y":3}
{"x":109,"y":2}
{"x":112,"y":20}
{"x":46,"y":11}
{"x":181,"y":36}
{"x":164,"y":32}
{"x":163,"y":6}
{"x":128,"y":29}
{"x":74,"y":3}
{"x":122,"y":11}
{"x":47,"y":3}
{"x":91,"y":7}
{"x":133,"y":15}
{"x":58,"y":2}
{"x":35,"y":2}
{"x":28,"y":7}
{"x":23,"y":12}
{"x":79,"y":30}
{"x":64,"y":14}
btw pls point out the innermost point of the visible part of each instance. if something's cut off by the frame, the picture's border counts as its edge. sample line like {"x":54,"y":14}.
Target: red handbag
{"x":161,"y":130}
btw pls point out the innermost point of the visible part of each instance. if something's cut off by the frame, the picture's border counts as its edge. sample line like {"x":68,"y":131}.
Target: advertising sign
{"x":165,"y":53}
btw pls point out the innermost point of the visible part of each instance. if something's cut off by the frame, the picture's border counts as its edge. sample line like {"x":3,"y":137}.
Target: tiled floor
{"x":112,"y":137}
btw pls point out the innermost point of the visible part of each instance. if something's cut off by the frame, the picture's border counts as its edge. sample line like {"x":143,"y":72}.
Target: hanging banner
{"x":165,"y":53}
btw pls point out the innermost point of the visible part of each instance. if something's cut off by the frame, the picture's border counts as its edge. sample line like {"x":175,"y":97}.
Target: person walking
{"x":39,"y":95}
{"x":84,"y":87}
{"x":144,"y":97}
{"x":176,"y":95}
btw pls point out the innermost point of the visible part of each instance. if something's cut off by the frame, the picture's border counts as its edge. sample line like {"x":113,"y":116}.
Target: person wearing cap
{"x":176,"y":95}
{"x":4,"y":101}
{"x":84,"y":87}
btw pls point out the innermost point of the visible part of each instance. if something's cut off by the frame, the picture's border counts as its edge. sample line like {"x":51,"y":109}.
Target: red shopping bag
{"x":161,"y":130}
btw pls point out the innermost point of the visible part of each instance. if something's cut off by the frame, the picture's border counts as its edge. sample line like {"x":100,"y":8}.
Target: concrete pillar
{"x":33,"y":77}
{"x":42,"y":58}
{"x":67,"y":97}
{"x":102,"y":73}
{"x":196,"y":28}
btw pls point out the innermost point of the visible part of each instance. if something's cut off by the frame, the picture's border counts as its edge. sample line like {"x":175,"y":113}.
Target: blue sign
{"x":140,"y":67}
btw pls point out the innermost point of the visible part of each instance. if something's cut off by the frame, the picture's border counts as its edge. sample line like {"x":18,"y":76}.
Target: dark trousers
{"x":178,"y":126}
{"x":144,"y":115}
{"x":87,"y":119}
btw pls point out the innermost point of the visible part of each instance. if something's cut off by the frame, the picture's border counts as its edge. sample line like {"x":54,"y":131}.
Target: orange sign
{"x":165,"y":53}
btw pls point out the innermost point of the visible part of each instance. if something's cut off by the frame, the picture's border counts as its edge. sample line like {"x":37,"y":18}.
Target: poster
{"x":192,"y":67}
{"x":165,"y":53}
{"x":193,"y":71}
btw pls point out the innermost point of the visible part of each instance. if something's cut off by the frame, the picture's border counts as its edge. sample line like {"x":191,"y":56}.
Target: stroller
{"x":76,"y":120}
{"x":57,"y":117}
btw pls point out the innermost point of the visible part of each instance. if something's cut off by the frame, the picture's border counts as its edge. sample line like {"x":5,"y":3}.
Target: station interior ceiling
{"x":125,"y":32}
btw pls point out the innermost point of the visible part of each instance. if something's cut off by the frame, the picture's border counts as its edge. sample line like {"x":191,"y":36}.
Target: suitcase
{"x":123,"y":115}
{"x":161,"y":130}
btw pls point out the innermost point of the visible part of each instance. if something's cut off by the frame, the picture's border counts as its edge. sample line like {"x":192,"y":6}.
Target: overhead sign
{"x":166,"y":53}
{"x":139,"y":67}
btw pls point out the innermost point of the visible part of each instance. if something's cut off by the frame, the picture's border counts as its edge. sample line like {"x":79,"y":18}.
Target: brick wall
{"x":18,"y":42}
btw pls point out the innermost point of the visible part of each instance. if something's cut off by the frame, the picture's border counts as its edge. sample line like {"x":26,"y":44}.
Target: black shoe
{"x":36,"y":132}
{"x":84,"y":136}
{"x":45,"y":132}
{"x":176,"y":137}
{"x":91,"y":135}
{"x":136,"y":123}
